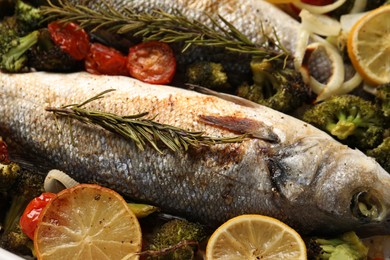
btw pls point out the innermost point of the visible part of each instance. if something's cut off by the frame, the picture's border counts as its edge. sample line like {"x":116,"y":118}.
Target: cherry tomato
{"x":72,"y":39}
{"x":105,"y":60}
{"x":152,"y":62}
{"x":29,"y":220}
{"x":318,"y":2}
{"x":3,"y":152}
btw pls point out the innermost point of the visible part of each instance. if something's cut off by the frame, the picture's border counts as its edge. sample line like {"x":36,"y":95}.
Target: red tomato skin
{"x":102,"y":59}
{"x":318,"y":2}
{"x":29,"y":220}
{"x":71,"y":38}
{"x":3,"y":152}
{"x":152,"y":62}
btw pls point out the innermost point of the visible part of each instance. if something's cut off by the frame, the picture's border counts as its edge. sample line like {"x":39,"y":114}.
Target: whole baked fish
{"x":289,"y":169}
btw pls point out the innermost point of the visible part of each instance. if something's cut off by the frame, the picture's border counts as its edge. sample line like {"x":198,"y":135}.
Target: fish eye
{"x":366,"y":207}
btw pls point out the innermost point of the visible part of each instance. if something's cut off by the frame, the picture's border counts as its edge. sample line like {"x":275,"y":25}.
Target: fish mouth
{"x":367,"y":207}
{"x":373,"y":215}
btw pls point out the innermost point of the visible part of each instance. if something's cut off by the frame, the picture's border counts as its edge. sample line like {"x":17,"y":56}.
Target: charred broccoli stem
{"x":207,"y":74}
{"x":351,"y":119}
{"x":174,"y":232}
{"x":381,"y":154}
{"x":47,"y":56}
{"x":346,"y":247}
{"x":275,"y":86}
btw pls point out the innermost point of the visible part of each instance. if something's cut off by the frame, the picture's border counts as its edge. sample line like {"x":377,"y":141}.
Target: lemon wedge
{"x":255,"y":237}
{"x":87,"y":221}
{"x":369,"y":46}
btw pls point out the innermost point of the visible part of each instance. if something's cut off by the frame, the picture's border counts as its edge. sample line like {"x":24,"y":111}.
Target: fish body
{"x":253,"y":18}
{"x":289,"y":169}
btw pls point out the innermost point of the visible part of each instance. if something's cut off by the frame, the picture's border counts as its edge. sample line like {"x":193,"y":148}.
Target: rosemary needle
{"x":141,"y":130}
{"x":162,"y":26}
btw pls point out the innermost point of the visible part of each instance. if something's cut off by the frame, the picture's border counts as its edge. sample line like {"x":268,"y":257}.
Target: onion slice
{"x":320,"y":24}
{"x":57,"y":180}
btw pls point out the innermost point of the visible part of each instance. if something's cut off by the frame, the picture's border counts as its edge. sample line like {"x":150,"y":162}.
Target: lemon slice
{"x":369,"y":46}
{"x":255,"y":237}
{"x":87,"y":222}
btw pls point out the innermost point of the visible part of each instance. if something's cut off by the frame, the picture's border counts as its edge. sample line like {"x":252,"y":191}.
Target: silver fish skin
{"x":291,"y":171}
{"x":253,"y":18}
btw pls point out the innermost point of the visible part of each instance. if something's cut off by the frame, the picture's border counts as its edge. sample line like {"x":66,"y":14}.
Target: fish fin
{"x":231,"y":98}
{"x":34,"y":164}
{"x":254,"y":128}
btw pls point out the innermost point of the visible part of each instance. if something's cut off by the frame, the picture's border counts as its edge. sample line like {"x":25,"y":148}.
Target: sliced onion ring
{"x":315,"y":9}
{"x":57,"y":180}
{"x":337,"y":78}
{"x":319,"y":24}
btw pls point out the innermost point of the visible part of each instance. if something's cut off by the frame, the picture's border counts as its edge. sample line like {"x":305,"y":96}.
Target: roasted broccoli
{"x":383,"y":99}
{"x":18,"y":34}
{"x":14,"y":58}
{"x":27,"y":186}
{"x":207,"y":74}
{"x":28,"y":17}
{"x":275,"y":86}
{"x":171,"y":234}
{"x":346,"y":247}
{"x":382,"y":154}
{"x":47,"y":56}
{"x":351,"y":119}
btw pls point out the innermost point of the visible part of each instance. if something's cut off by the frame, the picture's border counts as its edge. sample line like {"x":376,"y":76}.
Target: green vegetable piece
{"x":348,"y":246}
{"x":141,"y":210}
{"x":207,"y":74}
{"x":171,"y":234}
{"x":381,"y":153}
{"x":351,"y":119}
{"x":15,"y":59}
{"x":275,"y":86}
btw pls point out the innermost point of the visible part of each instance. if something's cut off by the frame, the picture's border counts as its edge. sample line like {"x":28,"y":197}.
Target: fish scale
{"x":303,"y":177}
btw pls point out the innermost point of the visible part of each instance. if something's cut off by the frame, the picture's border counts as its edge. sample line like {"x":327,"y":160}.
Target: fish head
{"x":335,"y":188}
{"x":356,"y":190}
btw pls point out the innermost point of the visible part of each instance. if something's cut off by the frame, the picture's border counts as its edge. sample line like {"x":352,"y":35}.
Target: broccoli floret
{"x":27,"y":186}
{"x":28,"y":17}
{"x":172,"y":233}
{"x":383,"y":99}
{"x":346,"y":247}
{"x":382,"y":154}
{"x":15,"y":58}
{"x":48,"y":56}
{"x":275,"y":86}
{"x":207,"y":74}
{"x":351,"y":119}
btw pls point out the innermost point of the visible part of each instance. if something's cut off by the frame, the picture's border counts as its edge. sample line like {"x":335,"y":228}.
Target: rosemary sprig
{"x":162,"y":26}
{"x":139,"y":129}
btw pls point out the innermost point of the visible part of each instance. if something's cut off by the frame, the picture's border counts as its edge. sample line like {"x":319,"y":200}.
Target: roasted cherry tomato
{"x":105,"y":60}
{"x":152,"y":62}
{"x":318,"y":2}
{"x":29,"y":219}
{"x":3,"y":152}
{"x":73,"y":39}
